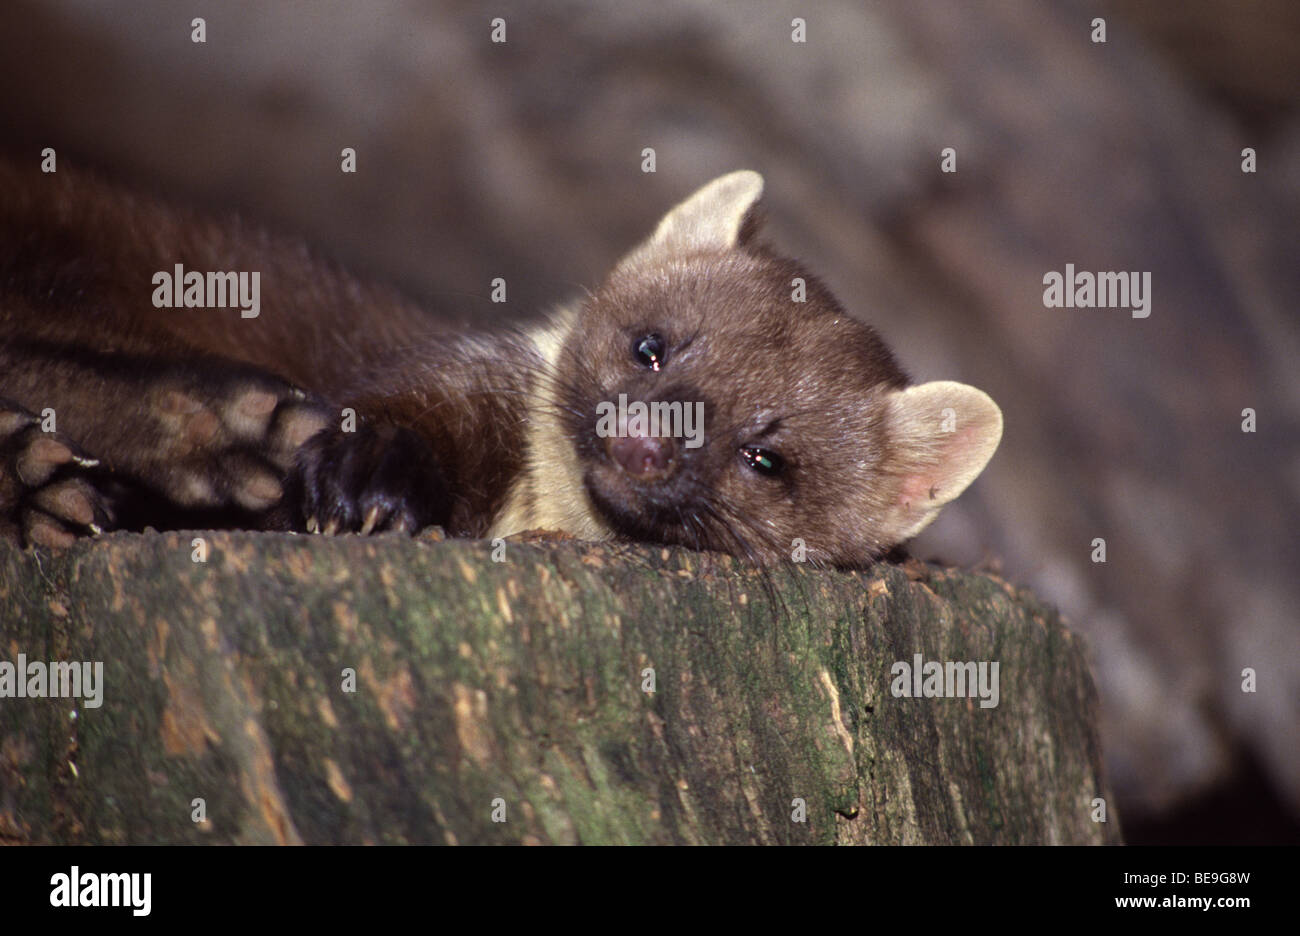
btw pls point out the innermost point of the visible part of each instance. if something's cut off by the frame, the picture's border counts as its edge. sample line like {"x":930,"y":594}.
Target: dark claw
{"x":50,"y":490}
{"x":375,"y":479}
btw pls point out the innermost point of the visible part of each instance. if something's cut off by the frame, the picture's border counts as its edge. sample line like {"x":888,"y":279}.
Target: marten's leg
{"x":440,"y":439}
{"x":92,"y":440}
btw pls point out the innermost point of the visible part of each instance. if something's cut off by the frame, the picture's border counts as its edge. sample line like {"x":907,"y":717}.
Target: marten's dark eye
{"x":764,"y":461}
{"x":650,"y":351}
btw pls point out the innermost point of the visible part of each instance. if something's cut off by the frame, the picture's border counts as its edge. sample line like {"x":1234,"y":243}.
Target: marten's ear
{"x":942,"y":435}
{"x":711,"y":219}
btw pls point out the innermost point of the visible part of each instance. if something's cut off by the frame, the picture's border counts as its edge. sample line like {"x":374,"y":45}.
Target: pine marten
{"x":336,"y":406}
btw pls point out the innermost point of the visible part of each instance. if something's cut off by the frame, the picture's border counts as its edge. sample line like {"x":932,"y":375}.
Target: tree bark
{"x":515,"y":690}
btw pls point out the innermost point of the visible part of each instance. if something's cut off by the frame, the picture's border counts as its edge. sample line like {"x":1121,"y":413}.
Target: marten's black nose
{"x":645,"y":458}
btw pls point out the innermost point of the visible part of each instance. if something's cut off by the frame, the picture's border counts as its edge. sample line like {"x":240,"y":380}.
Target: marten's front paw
{"x":374,"y":479}
{"x":224,"y":441}
{"x":48,"y":489}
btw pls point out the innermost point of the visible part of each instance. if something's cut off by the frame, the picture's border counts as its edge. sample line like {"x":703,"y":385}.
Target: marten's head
{"x":772,"y":423}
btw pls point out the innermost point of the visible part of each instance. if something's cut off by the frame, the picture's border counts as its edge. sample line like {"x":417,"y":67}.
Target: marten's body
{"x":812,"y":439}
